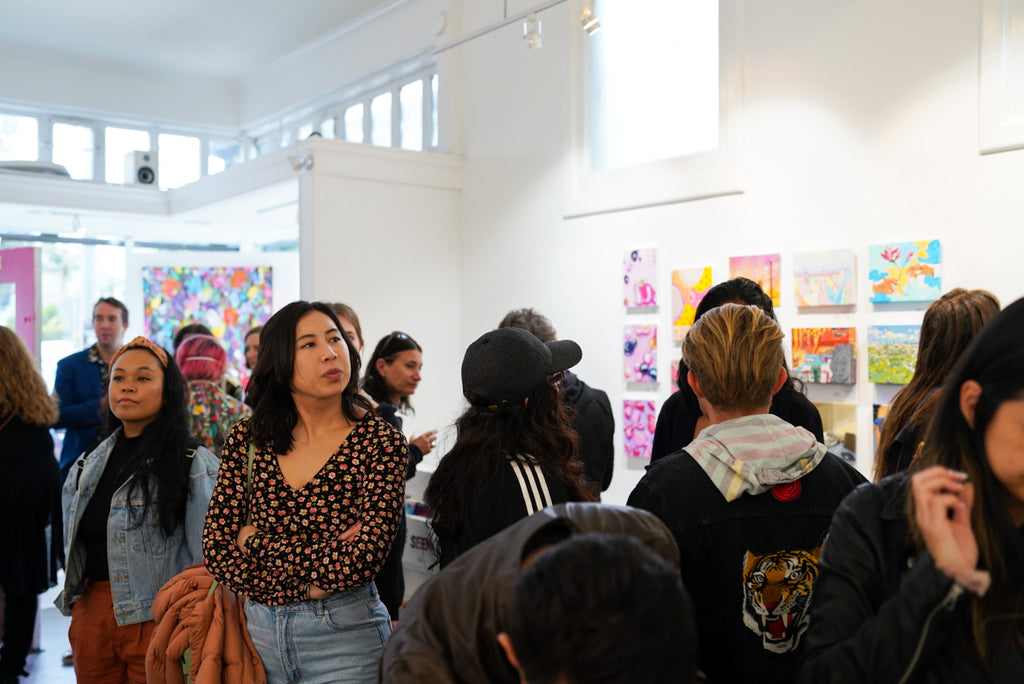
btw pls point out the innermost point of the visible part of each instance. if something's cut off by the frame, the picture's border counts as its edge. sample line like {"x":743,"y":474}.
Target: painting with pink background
{"x":640,"y":353}
{"x":640,"y":278}
{"x":763,"y":269}
{"x":638,"y":421}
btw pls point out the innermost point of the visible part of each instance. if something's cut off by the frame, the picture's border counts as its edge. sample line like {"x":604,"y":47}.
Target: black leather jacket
{"x":882,"y":612}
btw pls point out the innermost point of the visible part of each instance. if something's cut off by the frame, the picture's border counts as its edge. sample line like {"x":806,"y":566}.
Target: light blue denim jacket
{"x":141,"y":559}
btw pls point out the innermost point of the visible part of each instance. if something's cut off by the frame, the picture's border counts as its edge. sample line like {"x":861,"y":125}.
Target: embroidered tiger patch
{"x":777,"y":590}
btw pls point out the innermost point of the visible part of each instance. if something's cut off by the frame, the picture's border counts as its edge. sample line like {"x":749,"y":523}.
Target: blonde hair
{"x":735,"y":352}
{"x":22,"y":390}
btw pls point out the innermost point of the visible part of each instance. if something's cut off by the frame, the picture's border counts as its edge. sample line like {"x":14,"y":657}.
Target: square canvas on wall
{"x":826,"y":278}
{"x":905,"y":271}
{"x":689,"y":285}
{"x":892,"y":353}
{"x":640,"y":353}
{"x":638,"y":421}
{"x":227,"y":300}
{"x":763,"y":269}
{"x":640,"y":278}
{"x":825,"y":355}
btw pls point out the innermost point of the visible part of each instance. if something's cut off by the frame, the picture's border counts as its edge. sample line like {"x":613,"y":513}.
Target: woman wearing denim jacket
{"x":134,"y":509}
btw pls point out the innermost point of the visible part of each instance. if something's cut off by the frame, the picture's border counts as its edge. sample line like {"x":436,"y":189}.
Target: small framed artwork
{"x":640,"y":279}
{"x":905,"y":271}
{"x":640,"y":354}
{"x":763,"y":269}
{"x":825,"y":355}
{"x":892,"y":353}
{"x":689,"y":285}
{"x":825,"y":278}
{"x":638,"y":421}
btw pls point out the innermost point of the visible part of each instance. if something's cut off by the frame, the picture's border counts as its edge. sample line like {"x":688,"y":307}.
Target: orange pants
{"x":103,"y":650}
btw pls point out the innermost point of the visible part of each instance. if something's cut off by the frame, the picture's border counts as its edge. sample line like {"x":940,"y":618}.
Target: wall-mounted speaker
{"x":140,"y":168}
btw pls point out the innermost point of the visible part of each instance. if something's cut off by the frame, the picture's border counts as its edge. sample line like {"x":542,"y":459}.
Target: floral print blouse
{"x":298,"y":540}
{"x":213,"y":412}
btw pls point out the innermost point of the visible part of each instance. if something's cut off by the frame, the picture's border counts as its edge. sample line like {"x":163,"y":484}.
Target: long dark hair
{"x":540,"y":427}
{"x":274,"y":414}
{"x":949,"y":325}
{"x":161,"y":466}
{"x":388,"y":348}
{"x":995,"y":360}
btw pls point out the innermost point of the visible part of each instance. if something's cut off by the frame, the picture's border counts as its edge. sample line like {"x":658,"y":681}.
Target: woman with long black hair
{"x":134,"y":509}
{"x":308,"y":499}
{"x":516,"y":450}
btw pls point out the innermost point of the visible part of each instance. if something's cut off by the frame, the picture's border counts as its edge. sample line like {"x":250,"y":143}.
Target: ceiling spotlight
{"x":532,"y":31}
{"x":588,"y":21}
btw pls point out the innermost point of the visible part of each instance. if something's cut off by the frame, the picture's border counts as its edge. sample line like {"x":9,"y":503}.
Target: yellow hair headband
{"x":142,"y":343}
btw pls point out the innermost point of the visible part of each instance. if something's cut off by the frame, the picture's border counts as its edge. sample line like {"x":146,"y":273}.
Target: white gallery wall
{"x":860,"y":126}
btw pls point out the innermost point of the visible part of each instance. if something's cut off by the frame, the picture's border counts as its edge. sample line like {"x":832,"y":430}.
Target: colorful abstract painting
{"x":227,"y":300}
{"x":824,"y":278}
{"x":905,"y":271}
{"x":640,"y":353}
{"x":689,"y":285}
{"x":825,"y":355}
{"x":763,"y":269}
{"x":640,"y":278}
{"x":638,"y":421}
{"x":892,"y":353}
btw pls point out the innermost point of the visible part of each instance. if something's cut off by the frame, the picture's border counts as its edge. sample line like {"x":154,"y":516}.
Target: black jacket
{"x":596,"y":427}
{"x":877,"y":601}
{"x":449,"y":629}
{"x":749,"y":564}
{"x":678,"y":418}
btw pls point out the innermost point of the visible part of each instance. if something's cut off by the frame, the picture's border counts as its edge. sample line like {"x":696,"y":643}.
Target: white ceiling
{"x":219,"y":38}
{"x":227,"y":39}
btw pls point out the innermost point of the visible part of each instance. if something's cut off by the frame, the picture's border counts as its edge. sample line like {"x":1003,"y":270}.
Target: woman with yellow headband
{"x":134,"y":509}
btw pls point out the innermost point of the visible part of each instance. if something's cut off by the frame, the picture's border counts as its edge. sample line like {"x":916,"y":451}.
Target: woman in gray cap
{"x":516,"y":448}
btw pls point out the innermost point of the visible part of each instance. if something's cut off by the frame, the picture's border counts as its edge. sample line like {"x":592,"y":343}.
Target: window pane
{"x":636,"y":114}
{"x":19,"y":138}
{"x":178,"y":160}
{"x":74,"y":149}
{"x":433,"y":111}
{"x":223,"y":154}
{"x":327,"y":127}
{"x":118,"y":143}
{"x":380,"y":120}
{"x":410,"y":103}
{"x":354,"y":123}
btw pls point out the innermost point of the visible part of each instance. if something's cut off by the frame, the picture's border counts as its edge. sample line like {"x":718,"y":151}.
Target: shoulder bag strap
{"x":248,"y":483}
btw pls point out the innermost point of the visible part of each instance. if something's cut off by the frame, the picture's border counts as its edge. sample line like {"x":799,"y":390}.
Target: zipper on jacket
{"x":948,"y":602}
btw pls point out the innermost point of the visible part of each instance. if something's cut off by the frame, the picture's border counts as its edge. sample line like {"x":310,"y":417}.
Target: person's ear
{"x":783,"y":377}
{"x":694,"y":384}
{"x":506,"y":645}
{"x":970,"y":393}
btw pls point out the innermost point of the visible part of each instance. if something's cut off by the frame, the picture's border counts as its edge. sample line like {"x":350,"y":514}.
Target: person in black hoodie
{"x":594,"y":420}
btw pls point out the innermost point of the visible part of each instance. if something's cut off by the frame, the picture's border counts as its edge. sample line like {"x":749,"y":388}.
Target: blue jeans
{"x":338,"y":639}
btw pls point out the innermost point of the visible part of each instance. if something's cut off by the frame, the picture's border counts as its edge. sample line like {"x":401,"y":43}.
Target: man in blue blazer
{"x":82,"y":378}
